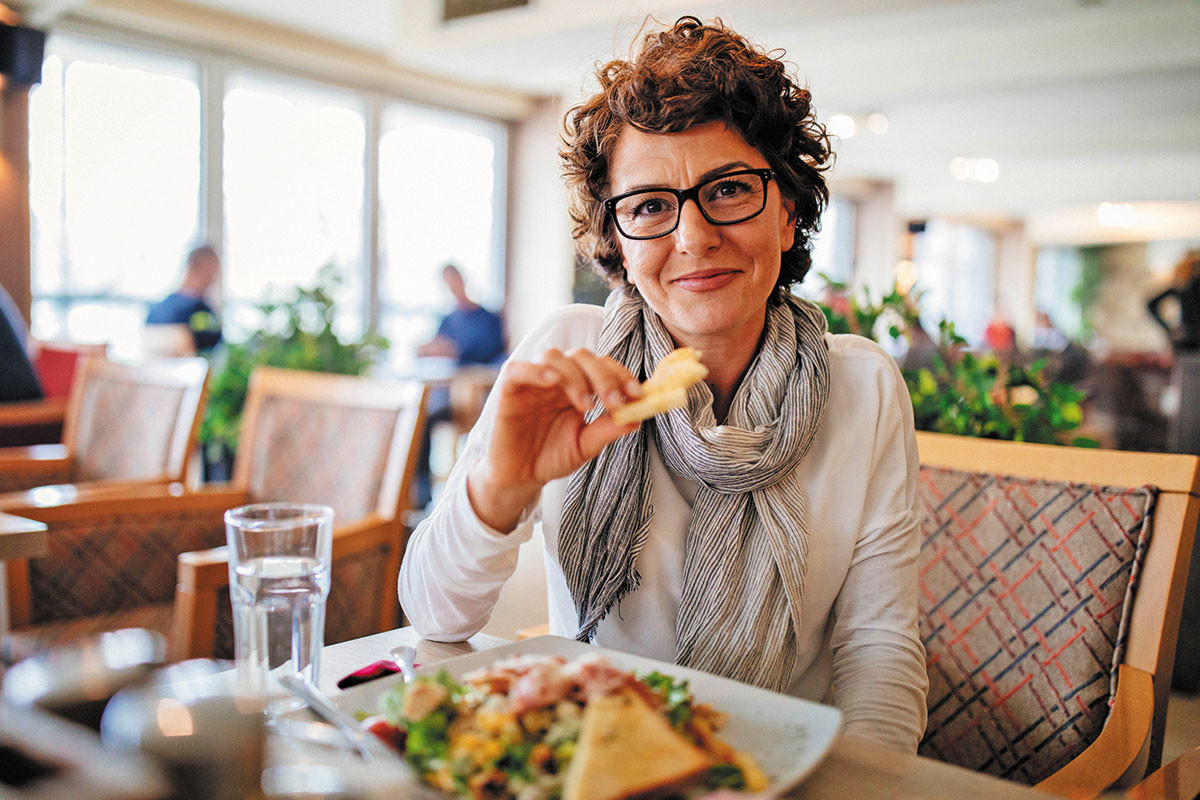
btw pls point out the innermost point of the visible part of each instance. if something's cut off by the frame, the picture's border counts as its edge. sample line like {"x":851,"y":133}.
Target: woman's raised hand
{"x":539,"y":433}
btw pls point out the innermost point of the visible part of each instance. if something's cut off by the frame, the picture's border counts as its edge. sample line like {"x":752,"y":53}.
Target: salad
{"x":538,"y":727}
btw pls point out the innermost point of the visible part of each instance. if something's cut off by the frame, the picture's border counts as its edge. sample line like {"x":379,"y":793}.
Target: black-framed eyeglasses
{"x":724,"y":200}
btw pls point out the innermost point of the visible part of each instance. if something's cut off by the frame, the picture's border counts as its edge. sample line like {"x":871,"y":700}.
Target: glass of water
{"x":279,"y":561}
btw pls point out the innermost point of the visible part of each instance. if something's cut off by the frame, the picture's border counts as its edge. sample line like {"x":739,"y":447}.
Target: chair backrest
{"x":56,"y":363}
{"x":347,"y":442}
{"x":1030,"y":558}
{"x":134,"y":421}
{"x":335,"y":439}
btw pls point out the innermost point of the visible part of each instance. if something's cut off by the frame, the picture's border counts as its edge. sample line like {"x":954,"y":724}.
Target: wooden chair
{"x":1179,"y":780}
{"x":1028,"y":569}
{"x":152,"y":556}
{"x":347,"y":442}
{"x":122,"y":423}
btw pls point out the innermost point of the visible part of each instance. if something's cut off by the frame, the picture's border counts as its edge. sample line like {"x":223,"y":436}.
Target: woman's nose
{"x":695,"y":234}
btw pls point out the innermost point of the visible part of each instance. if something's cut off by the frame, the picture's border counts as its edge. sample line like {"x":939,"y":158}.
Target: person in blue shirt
{"x":187,"y":305}
{"x":470,"y":334}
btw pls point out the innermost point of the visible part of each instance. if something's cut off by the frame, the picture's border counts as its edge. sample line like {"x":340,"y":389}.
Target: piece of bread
{"x":666,"y":388}
{"x":626,"y":749}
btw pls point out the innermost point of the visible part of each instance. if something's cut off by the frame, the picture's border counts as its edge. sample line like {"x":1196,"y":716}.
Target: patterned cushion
{"x":124,"y":429}
{"x":28,"y":641}
{"x":1025,"y":593}
{"x":353,"y":608}
{"x":320,"y":453}
{"x":100,"y":566}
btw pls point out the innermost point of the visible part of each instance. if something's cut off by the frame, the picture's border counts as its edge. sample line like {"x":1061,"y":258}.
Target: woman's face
{"x":708,"y":283}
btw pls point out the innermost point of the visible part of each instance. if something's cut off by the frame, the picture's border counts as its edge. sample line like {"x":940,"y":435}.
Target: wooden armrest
{"x":201,"y":569}
{"x":33,"y":412}
{"x":367,"y":532}
{"x":1179,"y":780}
{"x":34,"y":453}
{"x":1123,"y":743}
{"x":78,"y":501}
{"x":33,"y":464}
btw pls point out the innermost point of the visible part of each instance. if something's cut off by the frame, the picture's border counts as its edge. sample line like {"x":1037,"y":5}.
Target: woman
{"x":767,"y":532}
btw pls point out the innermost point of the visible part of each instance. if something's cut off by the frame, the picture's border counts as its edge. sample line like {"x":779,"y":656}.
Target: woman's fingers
{"x":574,"y":380}
{"x":608,"y":379}
{"x":599,"y":434}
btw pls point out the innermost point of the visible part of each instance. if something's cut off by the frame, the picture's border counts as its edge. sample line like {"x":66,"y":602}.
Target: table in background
{"x":19,"y":538}
{"x":852,"y":768}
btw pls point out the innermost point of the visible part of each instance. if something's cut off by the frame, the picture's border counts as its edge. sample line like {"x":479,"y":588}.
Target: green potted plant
{"x":959,"y":391}
{"x":296,"y":333}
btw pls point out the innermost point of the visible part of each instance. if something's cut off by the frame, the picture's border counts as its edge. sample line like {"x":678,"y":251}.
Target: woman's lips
{"x":707,"y":280}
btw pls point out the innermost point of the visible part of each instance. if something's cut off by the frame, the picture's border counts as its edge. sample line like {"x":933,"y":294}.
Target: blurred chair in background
{"x":1042,"y":667}
{"x":152,"y":557}
{"x":343,"y":441}
{"x":122,"y":423}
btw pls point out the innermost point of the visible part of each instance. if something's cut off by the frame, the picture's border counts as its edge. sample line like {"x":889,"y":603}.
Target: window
{"x":121,"y":163}
{"x":441,"y":190}
{"x":114,"y":187}
{"x":833,"y":247}
{"x":955,"y":267}
{"x":293,"y":185}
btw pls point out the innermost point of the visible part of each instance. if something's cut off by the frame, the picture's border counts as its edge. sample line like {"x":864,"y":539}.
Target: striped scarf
{"x":747,"y":540}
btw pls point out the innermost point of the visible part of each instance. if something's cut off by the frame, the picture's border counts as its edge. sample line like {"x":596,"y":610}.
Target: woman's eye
{"x":648,"y":208}
{"x":723,"y":190}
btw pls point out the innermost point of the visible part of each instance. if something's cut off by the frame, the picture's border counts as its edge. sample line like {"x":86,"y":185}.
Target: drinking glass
{"x":279,"y":560}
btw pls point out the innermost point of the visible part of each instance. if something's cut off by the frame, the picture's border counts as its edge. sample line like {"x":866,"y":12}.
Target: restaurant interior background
{"x":1030,"y":162}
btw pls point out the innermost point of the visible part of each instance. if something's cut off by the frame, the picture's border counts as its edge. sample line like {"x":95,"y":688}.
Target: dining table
{"x":852,"y":768}
{"x":19,"y":538}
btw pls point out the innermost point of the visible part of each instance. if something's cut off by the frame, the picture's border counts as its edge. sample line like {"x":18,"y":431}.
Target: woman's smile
{"x":707,"y":280}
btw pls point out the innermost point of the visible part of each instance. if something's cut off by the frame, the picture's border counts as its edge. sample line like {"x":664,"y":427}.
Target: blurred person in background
{"x":471,"y":335}
{"x":187,"y":305}
{"x":18,"y":381}
{"x":768,"y":530}
{"x":1185,"y":290}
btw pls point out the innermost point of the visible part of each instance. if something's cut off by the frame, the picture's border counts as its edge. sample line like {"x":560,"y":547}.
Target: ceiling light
{"x":984,"y":170}
{"x":1116,"y":215}
{"x":877,"y":123}
{"x":841,"y":125}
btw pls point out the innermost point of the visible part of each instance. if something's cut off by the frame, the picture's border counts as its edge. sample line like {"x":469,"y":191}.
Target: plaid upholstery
{"x":29,"y":641}
{"x":320,"y":453}
{"x":101,"y":566}
{"x":124,"y":429}
{"x":1026,"y":588}
{"x":353,"y":608}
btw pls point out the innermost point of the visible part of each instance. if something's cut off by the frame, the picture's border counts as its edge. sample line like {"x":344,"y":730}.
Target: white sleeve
{"x":455,"y":565}
{"x":879,"y":678}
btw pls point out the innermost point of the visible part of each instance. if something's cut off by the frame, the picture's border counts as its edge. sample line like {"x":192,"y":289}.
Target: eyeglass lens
{"x":723,"y":200}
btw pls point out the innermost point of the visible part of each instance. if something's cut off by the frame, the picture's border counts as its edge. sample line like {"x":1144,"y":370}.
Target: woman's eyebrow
{"x":712,"y":173}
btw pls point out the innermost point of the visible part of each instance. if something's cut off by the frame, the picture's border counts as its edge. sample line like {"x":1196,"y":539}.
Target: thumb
{"x":598,"y":434}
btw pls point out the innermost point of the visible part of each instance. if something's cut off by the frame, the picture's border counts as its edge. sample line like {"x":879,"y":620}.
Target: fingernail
{"x":549,"y":374}
{"x":633,"y":388}
{"x":614,"y":398}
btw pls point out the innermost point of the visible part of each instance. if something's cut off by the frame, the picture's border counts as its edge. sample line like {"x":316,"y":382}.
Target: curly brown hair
{"x":687,"y":75}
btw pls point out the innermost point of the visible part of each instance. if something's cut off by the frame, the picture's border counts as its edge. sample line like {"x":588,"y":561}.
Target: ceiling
{"x":1077,"y":101}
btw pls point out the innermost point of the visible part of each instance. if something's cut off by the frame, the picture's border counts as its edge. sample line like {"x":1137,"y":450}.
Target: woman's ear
{"x":787,"y":223}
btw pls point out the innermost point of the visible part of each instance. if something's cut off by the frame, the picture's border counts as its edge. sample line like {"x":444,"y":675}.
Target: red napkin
{"x":370,"y":672}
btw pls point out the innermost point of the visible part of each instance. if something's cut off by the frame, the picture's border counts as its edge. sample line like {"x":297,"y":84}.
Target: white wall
{"x":540,"y":260}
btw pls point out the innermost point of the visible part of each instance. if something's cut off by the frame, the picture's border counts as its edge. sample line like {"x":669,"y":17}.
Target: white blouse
{"x":859,"y":647}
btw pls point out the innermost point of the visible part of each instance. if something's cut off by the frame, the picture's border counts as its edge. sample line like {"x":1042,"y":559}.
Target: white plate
{"x":786,"y":735}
